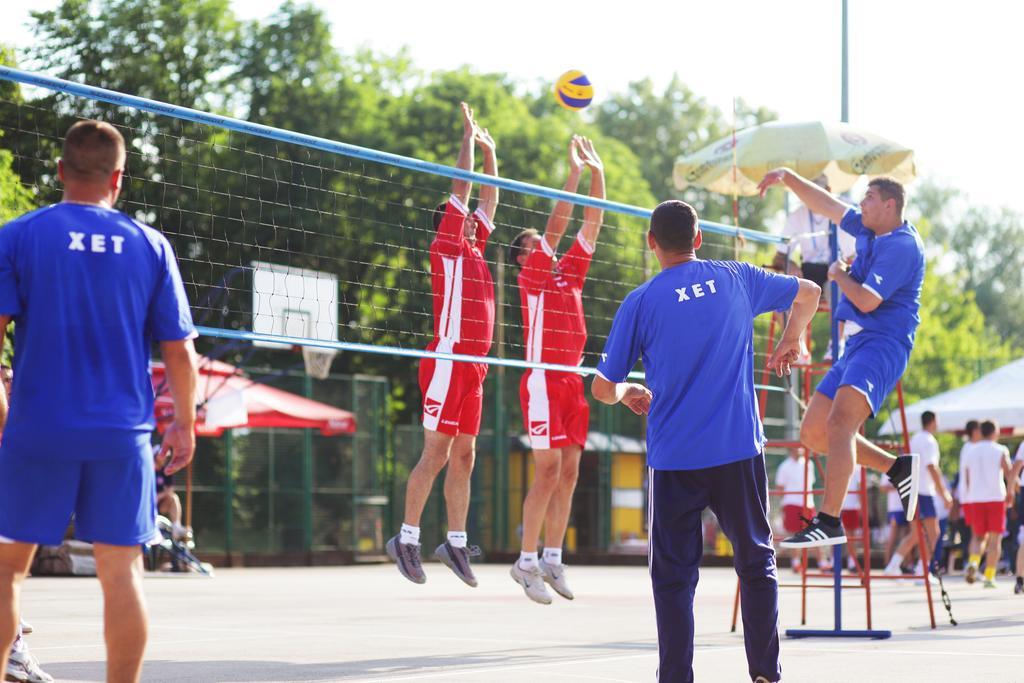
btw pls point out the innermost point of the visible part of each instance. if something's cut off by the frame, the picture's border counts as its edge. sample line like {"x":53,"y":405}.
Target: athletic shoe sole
{"x":442,"y":554}
{"x":540,"y":599}
{"x":392,"y":552}
{"x":834,"y":540}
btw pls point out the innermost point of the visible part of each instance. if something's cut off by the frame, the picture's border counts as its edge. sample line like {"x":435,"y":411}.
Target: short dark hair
{"x":927,"y":418}
{"x":890,"y":189}
{"x":516,"y":246}
{"x":92,"y":151}
{"x":971,"y":427}
{"x":988,"y":428}
{"x":674,"y":225}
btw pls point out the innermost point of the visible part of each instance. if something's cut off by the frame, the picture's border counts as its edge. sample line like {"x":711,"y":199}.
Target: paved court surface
{"x":369,"y":624}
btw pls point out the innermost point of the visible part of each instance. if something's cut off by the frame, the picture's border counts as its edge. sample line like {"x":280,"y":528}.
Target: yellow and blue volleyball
{"x":573,"y":90}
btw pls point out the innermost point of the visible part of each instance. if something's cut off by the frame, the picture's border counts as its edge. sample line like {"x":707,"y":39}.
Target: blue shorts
{"x":872,"y":364}
{"x":114,"y":501}
{"x":899,"y":516}
{"x":926,"y":507}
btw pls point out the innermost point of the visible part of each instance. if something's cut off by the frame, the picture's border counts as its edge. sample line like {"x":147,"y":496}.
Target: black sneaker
{"x":815,"y":535}
{"x":1019,"y":588}
{"x":457,"y":559}
{"x":905,"y":475}
{"x":407,"y":557}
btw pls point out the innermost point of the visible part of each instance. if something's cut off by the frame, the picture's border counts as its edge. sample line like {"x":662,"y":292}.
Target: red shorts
{"x":966,"y":511}
{"x":851,"y":519}
{"x":554,"y":410}
{"x":987,"y":518}
{"x":453,"y":395}
{"x":791,"y":514}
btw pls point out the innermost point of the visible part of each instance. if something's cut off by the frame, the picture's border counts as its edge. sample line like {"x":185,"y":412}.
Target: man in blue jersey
{"x":90,"y":290}
{"x":693,"y":326}
{"x":879,"y":302}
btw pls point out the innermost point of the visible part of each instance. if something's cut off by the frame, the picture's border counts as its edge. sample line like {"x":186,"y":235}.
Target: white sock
{"x":553,"y":556}
{"x":457,"y":539}
{"x":410,"y":535}
{"x":527,"y":561}
{"x":895,"y":562}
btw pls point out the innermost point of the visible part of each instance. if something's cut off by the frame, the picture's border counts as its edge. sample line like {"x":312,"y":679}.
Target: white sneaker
{"x":554,"y":575}
{"x":23,"y":667}
{"x":532,"y":582}
{"x":892,"y":571}
{"x":26,"y":628}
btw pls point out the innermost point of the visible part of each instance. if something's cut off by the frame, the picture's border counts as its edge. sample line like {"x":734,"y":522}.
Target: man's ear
{"x":698,"y":240}
{"x":651,"y":242}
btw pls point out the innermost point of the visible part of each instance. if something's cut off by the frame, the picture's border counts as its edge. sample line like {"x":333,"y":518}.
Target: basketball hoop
{"x":318,"y":361}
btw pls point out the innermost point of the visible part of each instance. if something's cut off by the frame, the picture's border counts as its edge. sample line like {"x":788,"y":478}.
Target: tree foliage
{"x":226,"y":199}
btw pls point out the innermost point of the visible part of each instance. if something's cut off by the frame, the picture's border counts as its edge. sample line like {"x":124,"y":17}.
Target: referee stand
{"x":859,"y":543}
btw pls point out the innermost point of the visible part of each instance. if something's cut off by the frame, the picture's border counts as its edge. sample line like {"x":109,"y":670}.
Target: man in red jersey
{"x":555,"y":411}
{"x":453,"y":391}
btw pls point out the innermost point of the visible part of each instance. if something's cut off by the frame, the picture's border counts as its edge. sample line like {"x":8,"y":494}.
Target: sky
{"x":938,"y":76}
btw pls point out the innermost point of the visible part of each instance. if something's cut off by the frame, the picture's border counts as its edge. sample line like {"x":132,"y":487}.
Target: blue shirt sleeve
{"x":767,"y":291}
{"x":892,"y":267}
{"x":852,"y":223}
{"x":170,"y":318}
{"x":623,"y":345}
{"x":10,"y":301}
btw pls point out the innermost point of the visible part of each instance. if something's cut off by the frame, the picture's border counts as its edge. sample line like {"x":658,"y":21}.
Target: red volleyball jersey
{"x":462,"y":285}
{"x":551,"y":294}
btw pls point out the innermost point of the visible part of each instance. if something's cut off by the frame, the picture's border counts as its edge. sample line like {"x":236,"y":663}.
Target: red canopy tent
{"x":257,"y":405}
{"x":251,"y":404}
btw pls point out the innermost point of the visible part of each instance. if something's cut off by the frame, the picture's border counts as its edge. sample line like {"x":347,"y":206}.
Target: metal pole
{"x":229,"y":490}
{"x":307,"y":477}
{"x":499,"y":518}
{"x":845,"y":112}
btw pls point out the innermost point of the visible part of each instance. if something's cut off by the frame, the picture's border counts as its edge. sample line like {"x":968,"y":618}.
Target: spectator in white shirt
{"x":988,"y":487}
{"x":808,"y":233}
{"x":932,"y":487}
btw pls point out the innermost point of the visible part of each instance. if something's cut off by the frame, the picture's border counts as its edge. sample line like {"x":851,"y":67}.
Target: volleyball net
{"x":289,"y":240}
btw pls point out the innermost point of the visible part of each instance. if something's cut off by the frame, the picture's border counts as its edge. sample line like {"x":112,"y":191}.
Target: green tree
{"x":662,"y":126}
{"x":982,"y":250}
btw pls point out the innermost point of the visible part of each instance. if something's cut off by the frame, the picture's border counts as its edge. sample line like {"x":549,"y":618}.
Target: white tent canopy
{"x":998,"y":396}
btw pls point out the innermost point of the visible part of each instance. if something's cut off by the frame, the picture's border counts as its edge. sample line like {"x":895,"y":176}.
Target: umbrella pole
{"x":738,"y":241}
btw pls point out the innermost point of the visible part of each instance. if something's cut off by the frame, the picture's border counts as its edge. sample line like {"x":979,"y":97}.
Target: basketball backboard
{"x":293,"y":302}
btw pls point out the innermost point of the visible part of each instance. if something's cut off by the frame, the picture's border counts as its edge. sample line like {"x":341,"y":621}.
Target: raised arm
{"x":461,"y":188}
{"x":804,"y":306}
{"x":488,"y":193}
{"x":560,"y":215}
{"x":592,"y":217}
{"x":814,"y":198}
